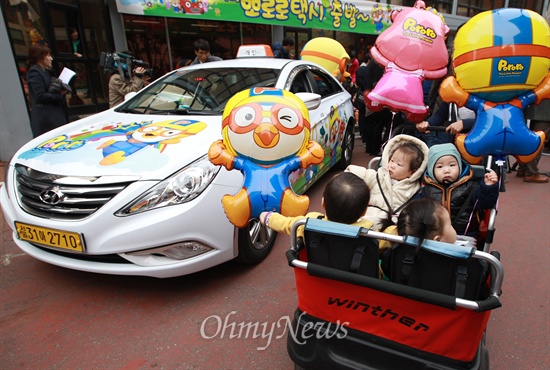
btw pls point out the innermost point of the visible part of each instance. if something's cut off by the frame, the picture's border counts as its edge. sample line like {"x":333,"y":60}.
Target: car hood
{"x":120,"y":144}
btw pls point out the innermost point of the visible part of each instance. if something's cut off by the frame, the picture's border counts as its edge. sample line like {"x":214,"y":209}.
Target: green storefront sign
{"x":357,"y":16}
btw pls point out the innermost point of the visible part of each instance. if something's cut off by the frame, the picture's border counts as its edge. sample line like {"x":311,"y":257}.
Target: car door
{"x":328,"y":121}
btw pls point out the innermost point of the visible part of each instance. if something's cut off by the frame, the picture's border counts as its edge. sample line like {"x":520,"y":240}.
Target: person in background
{"x":376,"y":123}
{"x":76,"y":49}
{"x":539,"y":116}
{"x":119,"y":85}
{"x":48,"y":105}
{"x":202,"y":52}
{"x":282,"y":50}
{"x":353,"y":65}
{"x":456,"y":120}
{"x":184,"y":62}
{"x":76,"y":45}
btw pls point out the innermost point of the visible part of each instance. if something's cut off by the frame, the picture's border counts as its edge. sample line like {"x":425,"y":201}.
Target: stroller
{"x":432,"y":315}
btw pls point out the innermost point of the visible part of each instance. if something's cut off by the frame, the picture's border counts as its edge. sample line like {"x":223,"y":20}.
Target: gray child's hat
{"x":441,"y":150}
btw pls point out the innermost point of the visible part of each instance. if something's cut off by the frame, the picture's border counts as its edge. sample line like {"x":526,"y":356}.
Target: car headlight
{"x":183,"y":186}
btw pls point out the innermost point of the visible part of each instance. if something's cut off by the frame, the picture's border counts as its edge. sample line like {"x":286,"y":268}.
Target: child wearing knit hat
{"x":450,"y":181}
{"x":398,"y":179}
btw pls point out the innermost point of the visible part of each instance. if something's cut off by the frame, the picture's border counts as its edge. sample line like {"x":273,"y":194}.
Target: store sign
{"x":357,"y":16}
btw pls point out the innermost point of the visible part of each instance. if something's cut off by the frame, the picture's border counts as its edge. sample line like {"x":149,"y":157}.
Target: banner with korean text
{"x":356,"y":16}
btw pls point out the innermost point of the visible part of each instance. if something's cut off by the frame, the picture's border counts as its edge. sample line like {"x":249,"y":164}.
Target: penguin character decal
{"x":266,"y":136}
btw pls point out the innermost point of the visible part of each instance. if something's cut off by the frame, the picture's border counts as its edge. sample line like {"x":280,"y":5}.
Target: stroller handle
{"x":439,"y":299}
{"x":437,"y":128}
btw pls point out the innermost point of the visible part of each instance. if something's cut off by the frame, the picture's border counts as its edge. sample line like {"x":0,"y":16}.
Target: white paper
{"x":66,"y":75}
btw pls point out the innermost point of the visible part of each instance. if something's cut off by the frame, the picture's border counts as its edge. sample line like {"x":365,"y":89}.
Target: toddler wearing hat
{"x":449,"y":180}
{"x":398,"y":179}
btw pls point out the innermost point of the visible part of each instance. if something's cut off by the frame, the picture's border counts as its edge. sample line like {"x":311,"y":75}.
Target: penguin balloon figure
{"x":266,"y":136}
{"x":329,"y":54}
{"x":501,"y":62}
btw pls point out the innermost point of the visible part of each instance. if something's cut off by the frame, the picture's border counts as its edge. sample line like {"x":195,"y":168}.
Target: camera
{"x":123,"y":64}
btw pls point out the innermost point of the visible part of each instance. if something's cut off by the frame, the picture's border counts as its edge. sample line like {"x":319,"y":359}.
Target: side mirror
{"x":312,"y":101}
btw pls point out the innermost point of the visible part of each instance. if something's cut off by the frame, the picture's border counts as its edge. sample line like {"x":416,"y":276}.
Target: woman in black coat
{"x":48,"y":109}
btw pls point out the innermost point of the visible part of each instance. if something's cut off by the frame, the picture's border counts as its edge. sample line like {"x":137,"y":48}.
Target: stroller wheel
{"x":484,"y":358}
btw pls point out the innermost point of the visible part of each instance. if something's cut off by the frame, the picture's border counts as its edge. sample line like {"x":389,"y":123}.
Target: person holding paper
{"x":48,"y":105}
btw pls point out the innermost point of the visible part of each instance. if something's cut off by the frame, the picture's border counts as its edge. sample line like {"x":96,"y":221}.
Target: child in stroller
{"x":345,"y":199}
{"x":397,"y":180}
{"x":450,"y":181}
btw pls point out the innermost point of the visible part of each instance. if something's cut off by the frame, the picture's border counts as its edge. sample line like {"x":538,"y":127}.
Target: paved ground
{"x":53,"y":318}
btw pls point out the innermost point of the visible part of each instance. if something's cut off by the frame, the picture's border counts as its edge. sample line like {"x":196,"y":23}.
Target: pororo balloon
{"x":329,"y":54}
{"x":501,"y":65}
{"x":266,"y":136}
{"x":412,"y":49}
{"x":501,"y":54}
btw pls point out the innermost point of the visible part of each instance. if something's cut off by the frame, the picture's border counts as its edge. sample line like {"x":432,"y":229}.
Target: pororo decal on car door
{"x":329,"y":134}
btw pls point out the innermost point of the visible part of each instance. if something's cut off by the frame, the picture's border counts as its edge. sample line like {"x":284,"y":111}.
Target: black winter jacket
{"x":47,"y":108}
{"x":453,"y":197}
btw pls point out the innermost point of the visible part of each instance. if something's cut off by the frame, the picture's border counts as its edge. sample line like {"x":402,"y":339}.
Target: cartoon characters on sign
{"x":411,"y":49}
{"x":377,"y":17}
{"x":329,"y":54}
{"x":501,"y":62}
{"x":265,"y":136}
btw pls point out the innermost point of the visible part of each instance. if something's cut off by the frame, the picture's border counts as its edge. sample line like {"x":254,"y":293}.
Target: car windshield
{"x":205,"y":91}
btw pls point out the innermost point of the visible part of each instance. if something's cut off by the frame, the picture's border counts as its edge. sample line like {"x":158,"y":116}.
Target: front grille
{"x":61,"y":197}
{"x":104,"y":258}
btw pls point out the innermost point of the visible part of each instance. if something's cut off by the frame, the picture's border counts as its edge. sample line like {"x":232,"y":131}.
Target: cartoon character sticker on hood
{"x":137,"y":135}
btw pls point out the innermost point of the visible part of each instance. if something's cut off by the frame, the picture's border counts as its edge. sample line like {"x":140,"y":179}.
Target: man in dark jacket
{"x":376,"y":121}
{"x":447,"y":115}
{"x":282,"y":50}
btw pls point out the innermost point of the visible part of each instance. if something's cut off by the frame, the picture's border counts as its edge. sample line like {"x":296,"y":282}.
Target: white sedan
{"x":130,"y":191}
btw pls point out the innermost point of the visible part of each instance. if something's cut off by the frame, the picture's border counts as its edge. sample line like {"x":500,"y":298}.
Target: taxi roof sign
{"x":254,"y":51}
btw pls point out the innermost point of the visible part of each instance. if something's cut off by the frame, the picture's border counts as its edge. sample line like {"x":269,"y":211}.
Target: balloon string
{"x":391,"y":129}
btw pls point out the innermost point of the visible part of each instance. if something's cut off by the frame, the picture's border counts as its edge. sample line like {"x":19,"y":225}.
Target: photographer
{"x":119,"y":86}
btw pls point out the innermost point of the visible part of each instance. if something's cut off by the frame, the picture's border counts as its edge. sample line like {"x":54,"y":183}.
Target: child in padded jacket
{"x":396,"y":181}
{"x":345,"y":200}
{"x":449,"y":181}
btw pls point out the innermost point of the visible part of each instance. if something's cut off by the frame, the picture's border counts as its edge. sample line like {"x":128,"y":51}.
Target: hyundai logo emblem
{"x":52,"y":196}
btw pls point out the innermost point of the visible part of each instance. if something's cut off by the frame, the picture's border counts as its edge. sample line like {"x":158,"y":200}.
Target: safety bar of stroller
{"x":451,"y":250}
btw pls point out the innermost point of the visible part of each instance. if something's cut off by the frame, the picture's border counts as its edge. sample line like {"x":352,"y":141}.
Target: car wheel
{"x":255,"y":242}
{"x":347,"y":149}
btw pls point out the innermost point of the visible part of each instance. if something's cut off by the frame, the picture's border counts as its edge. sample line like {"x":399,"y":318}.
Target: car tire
{"x":347,"y":149}
{"x":255,"y":242}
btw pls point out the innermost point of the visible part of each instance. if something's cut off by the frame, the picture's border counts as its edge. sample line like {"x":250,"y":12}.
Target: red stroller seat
{"x":350,"y":320}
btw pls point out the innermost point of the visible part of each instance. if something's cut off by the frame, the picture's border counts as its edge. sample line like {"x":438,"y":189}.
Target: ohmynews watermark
{"x":228,"y":328}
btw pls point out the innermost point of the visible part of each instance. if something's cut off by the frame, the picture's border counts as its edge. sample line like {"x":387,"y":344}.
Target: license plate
{"x":50,"y":237}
